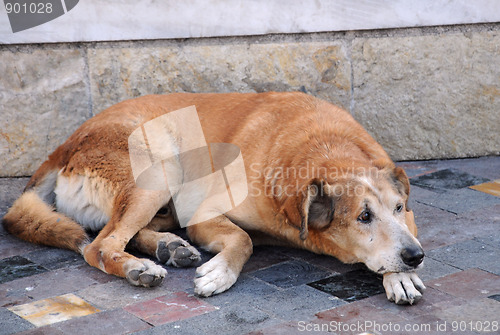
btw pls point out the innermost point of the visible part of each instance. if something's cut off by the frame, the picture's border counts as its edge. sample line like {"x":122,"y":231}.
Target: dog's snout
{"x":412,"y":256}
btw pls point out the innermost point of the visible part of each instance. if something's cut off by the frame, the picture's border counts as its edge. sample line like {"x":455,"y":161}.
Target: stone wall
{"x":421,"y":92}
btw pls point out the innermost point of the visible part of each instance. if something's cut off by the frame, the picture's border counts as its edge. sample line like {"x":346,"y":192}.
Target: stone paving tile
{"x":418,"y":168}
{"x":117,"y":294}
{"x":495,"y":297}
{"x":53,"y":258}
{"x":10,"y":190}
{"x":487,"y":167}
{"x":473,"y":316}
{"x":432,"y":300}
{"x":18,"y":267}
{"x":493,"y":240}
{"x":462,"y":200}
{"x":417,"y":193}
{"x":447,"y":179}
{"x":115,"y":322}
{"x":291,"y":273}
{"x":355,"y":318}
{"x":492,"y":267}
{"x":465,"y":255}
{"x":420,"y":318}
{"x":96,"y":274}
{"x":52,"y":310}
{"x":11,"y":323}
{"x":263,"y":257}
{"x":324,"y":262}
{"x":297,"y":303}
{"x":178,"y":279}
{"x":46,"y":330}
{"x":492,"y":188}
{"x":468,"y":284}
{"x":437,"y":227}
{"x":245,"y":289}
{"x":288,"y":328}
{"x":236,"y":319}
{"x":351,"y":286}
{"x":12,"y":246}
{"x":44,"y":285}
{"x":169,"y":308}
{"x":433,"y":269}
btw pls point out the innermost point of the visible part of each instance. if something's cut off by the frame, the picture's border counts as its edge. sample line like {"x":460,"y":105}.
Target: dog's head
{"x":360,"y":216}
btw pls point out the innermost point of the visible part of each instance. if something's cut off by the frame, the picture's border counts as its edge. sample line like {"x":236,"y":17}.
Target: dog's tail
{"x":32,"y":219}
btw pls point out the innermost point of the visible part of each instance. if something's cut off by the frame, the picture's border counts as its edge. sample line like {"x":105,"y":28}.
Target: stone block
{"x":43,"y":99}
{"x":429,"y":96}
{"x":319,"y":68}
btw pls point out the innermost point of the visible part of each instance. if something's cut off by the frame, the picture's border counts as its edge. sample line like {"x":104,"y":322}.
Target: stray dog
{"x":317,"y":180}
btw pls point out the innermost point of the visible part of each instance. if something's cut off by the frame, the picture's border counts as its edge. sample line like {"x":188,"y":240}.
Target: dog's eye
{"x":399,"y":208}
{"x":163,"y":211}
{"x":365,"y":217}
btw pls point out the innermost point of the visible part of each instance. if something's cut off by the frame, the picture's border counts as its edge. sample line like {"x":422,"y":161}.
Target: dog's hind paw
{"x":403,"y":287}
{"x":214,"y":277}
{"x":144,"y":272}
{"x":178,"y":253}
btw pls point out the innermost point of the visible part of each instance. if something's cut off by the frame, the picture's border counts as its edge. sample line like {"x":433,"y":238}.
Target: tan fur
{"x":31,"y":219}
{"x":275,"y":132}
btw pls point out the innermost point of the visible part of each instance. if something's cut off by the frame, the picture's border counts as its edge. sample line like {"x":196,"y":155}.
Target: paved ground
{"x":282,"y":291}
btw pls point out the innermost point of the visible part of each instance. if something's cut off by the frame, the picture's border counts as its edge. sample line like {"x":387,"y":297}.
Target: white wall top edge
{"x":97,"y":20}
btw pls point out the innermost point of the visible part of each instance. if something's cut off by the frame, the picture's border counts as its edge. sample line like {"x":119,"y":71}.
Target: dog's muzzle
{"x":412,"y":256}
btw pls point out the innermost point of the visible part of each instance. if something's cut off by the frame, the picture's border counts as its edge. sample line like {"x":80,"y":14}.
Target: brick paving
{"x":281,"y":291}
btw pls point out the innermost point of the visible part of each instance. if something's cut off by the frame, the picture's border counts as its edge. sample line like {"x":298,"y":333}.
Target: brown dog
{"x":316,"y":180}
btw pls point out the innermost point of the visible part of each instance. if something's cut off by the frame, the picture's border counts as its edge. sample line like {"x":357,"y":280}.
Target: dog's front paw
{"x":178,"y":253}
{"x":143,"y":272}
{"x":214,"y":277}
{"x":403,"y":287}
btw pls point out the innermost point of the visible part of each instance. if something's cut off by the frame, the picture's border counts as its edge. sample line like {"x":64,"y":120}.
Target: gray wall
{"x":421,"y":92}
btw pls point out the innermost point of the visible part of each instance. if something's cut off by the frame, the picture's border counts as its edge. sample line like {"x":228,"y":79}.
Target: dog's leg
{"x":403,"y":287}
{"x":168,"y":248}
{"x":107,"y":253}
{"x":233,"y":247}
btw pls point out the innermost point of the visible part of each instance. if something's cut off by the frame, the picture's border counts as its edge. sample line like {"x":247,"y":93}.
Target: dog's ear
{"x":402,"y":183}
{"x":311,"y":208}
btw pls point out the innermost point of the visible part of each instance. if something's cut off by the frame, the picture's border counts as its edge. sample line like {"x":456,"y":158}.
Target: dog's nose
{"x":412,"y":256}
